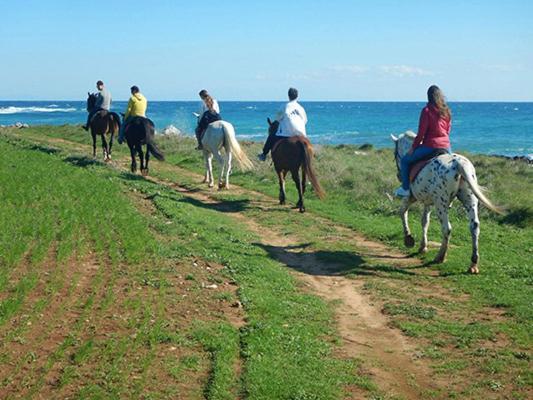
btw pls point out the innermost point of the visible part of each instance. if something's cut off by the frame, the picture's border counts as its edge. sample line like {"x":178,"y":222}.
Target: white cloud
{"x":352,"y":69}
{"x":404,"y":70}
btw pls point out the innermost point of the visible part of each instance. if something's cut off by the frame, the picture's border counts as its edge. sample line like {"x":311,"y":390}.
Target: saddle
{"x":417,"y":167}
{"x":275,"y":146}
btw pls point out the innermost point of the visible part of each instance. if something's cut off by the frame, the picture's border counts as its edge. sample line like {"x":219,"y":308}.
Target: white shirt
{"x":292,"y":120}
{"x":203,"y":107}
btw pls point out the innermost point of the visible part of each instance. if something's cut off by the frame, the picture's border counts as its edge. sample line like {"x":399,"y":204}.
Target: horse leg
{"x":104,"y":146}
{"x":94,"y":143}
{"x":210,"y":180}
{"x":408,"y":239}
{"x":425,"y":225}
{"x":110,"y":145}
{"x":281,"y":178}
{"x":442,"y":211}
{"x":221,"y":164}
{"x":206,"y":162}
{"x":141,"y":157}
{"x":146,"y":160}
{"x":296,"y":178}
{"x":227,"y":168}
{"x":133,"y":159}
{"x":470,"y":203}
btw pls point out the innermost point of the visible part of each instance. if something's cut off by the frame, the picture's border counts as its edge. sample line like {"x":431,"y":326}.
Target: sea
{"x":496,"y":128}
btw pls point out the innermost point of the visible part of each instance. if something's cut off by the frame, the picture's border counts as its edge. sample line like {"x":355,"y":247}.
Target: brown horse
{"x":289,"y":155}
{"x":103,"y":123}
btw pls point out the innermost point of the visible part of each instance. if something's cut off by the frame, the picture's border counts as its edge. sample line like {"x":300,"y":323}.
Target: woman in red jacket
{"x":433,"y":134}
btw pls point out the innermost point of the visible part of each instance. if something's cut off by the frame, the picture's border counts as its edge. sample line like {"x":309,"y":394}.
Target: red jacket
{"x":433,"y":130}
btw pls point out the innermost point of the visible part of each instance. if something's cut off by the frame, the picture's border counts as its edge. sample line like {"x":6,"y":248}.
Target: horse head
{"x":272,"y":126}
{"x":402,"y":145}
{"x":91,"y":101}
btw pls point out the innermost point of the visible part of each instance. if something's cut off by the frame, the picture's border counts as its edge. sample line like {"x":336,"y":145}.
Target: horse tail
{"x":116,"y":120}
{"x":235,"y":148}
{"x":152,"y":147}
{"x":308,"y":168}
{"x":468,"y":173}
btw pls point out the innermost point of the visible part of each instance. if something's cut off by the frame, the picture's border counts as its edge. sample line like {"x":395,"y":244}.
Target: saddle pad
{"x":417,"y":167}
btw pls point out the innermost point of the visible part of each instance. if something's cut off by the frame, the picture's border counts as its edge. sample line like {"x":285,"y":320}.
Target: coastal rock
{"x":171,"y":130}
{"x":18,"y":125}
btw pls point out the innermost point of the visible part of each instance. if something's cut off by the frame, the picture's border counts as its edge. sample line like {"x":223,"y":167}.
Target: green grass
{"x":59,"y":206}
{"x":483,"y":323}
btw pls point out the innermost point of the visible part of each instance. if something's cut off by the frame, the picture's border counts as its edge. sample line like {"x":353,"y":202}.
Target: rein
{"x":396,"y":159}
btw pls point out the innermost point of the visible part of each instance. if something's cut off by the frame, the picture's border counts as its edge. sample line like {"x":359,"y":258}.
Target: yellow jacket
{"x":136,"y":106}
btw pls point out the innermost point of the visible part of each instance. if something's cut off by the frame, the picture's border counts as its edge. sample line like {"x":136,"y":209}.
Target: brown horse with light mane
{"x":289,"y":155}
{"x":103,"y":123}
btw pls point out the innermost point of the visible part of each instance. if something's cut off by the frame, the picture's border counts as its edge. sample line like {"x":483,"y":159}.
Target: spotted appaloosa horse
{"x":440,"y":181}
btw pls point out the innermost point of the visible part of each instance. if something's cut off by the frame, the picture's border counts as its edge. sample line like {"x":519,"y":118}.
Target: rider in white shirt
{"x":292,"y":119}
{"x":203,"y":106}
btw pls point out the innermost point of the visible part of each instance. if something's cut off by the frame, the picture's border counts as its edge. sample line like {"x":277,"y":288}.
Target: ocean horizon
{"x":498,"y":128}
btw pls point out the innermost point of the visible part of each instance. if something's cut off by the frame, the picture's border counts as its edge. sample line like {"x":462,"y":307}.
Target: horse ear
{"x":88,"y":93}
{"x":269,"y":121}
{"x":394,"y":138}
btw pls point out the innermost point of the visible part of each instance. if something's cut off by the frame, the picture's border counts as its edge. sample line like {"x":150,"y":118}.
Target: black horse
{"x":140,"y":131}
{"x":102,"y":123}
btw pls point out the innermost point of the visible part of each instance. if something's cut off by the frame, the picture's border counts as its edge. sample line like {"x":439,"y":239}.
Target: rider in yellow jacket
{"x":136,"y":108}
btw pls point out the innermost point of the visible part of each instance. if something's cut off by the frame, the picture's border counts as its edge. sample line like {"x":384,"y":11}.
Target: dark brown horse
{"x":289,"y":155}
{"x":103,"y":123}
{"x":140,"y":131}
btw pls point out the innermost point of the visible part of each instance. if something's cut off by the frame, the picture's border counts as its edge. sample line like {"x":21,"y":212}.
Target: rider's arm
{"x":423,"y":126}
{"x":128,"y":109}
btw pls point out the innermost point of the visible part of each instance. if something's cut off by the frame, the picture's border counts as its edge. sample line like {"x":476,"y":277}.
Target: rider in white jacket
{"x":292,"y":119}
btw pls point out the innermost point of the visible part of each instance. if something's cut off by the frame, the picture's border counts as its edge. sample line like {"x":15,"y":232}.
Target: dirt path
{"x":364,"y":329}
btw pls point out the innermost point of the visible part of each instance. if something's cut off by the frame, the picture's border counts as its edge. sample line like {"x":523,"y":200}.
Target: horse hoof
{"x":302,"y":210}
{"x":409,"y":241}
{"x":144,"y":172}
{"x":439,"y":260}
{"x":473,"y":269}
{"x":282,"y":202}
{"x":422,"y":250}
{"x":211,"y":185}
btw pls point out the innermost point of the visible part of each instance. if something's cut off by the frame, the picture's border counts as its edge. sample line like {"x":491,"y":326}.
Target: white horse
{"x":438,"y":183}
{"x":217,"y":135}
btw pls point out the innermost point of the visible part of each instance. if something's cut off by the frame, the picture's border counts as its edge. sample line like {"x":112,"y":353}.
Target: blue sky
{"x":243,"y":50}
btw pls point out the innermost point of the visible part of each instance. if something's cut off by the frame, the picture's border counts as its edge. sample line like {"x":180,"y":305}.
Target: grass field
{"x":113,"y":286}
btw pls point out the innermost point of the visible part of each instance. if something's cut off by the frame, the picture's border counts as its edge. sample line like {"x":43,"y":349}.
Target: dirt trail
{"x":365,"y":331}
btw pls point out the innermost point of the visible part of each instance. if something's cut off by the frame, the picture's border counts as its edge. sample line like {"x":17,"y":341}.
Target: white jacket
{"x":203,"y":107}
{"x":292,"y":120}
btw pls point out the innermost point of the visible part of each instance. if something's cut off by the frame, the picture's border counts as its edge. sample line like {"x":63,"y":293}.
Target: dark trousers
{"x":205,"y":120}
{"x":270,"y":142}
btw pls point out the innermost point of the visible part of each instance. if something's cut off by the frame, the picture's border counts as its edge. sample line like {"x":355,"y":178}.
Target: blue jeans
{"x":418,"y":154}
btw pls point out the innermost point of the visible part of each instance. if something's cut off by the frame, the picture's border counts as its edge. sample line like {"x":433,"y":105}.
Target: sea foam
{"x":20,"y":110}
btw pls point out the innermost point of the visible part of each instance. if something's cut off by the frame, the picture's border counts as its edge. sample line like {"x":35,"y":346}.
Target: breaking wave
{"x":22,"y":110}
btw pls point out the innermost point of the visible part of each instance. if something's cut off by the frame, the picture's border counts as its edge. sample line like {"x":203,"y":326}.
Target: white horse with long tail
{"x":218,"y":135}
{"x":438,"y":183}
